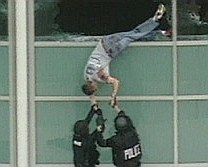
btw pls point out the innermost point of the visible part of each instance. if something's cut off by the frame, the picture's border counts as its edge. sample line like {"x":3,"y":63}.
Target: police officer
{"x":84,"y":143}
{"x":125,"y":144}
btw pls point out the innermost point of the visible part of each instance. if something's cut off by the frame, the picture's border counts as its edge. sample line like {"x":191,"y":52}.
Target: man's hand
{"x":113,"y":101}
{"x":93,"y":100}
{"x":101,"y":128}
{"x":94,"y":107}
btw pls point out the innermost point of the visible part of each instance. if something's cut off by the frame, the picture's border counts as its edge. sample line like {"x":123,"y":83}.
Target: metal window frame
{"x":12,"y":92}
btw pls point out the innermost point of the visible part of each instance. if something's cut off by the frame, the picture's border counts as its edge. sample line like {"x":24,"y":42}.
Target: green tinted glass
{"x":193,"y":131}
{"x":59,"y":71}
{"x":192,"y":70}
{"x":4,"y":133}
{"x":4,"y":71}
{"x":142,"y":71}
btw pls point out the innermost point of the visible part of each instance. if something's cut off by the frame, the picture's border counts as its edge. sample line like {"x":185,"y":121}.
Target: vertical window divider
{"x":31,"y":68}
{"x":12,"y":76}
{"x":21,"y":73}
{"x":175,"y":80}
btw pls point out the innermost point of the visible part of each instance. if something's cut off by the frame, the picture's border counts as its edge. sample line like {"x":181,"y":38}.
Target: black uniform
{"x":125,"y":144}
{"x":84,"y":147}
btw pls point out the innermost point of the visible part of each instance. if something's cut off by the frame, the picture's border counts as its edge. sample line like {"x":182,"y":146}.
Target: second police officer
{"x":125,"y":144}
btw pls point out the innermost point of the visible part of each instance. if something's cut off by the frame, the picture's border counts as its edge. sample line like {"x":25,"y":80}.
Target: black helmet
{"x":121,"y":123}
{"x":81,"y":128}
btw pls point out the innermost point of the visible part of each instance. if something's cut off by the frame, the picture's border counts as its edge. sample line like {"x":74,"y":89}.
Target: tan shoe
{"x":160,"y":11}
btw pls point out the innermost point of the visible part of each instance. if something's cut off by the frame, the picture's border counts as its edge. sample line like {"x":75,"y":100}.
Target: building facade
{"x":164,"y":82}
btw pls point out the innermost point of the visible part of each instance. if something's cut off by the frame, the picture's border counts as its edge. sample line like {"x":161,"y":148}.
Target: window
{"x":66,"y":19}
{"x":3,"y":20}
{"x":192,"y":19}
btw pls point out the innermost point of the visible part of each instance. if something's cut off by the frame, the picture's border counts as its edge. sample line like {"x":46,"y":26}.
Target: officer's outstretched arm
{"x":119,"y":110}
{"x":109,"y":142}
{"x":91,"y":113}
{"x":100,"y":121}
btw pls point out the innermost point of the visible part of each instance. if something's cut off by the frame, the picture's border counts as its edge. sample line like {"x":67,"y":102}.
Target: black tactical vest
{"x":127,"y":149}
{"x":85,"y":152}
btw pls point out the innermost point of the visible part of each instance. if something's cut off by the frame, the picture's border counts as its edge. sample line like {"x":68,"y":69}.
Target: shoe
{"x":160,"y":11}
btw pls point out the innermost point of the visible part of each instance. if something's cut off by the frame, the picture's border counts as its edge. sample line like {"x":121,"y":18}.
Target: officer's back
{"x":125,"y":144}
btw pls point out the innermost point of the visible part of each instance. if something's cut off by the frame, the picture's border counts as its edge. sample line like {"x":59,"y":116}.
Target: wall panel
{"x":4,"y":71}
{"x":192,"y":65}
{"x":4,"y":133}
{"x":193,"y":131}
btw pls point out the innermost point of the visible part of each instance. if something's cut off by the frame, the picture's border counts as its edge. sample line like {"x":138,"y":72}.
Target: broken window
{"x":192,"y":19}
{"x":3,"y":20}
{"x":66,"y":19}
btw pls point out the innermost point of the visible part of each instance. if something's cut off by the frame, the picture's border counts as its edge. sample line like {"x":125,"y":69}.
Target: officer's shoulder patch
{"x":77,"y":143}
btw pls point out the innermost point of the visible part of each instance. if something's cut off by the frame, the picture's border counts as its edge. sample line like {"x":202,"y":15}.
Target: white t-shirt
{"x":98,"y":60}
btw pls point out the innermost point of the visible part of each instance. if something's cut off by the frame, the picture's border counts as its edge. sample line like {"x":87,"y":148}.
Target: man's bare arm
{"x":116,"y":84}
{"x":93,"y":100}
{"x":111,"y":80}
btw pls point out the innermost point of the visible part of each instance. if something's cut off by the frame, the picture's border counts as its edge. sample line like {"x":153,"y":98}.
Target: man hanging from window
{"x":110,"y":46}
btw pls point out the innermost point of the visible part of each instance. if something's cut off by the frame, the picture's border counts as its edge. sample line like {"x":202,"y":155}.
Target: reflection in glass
{"x":67,"y":19}
{"x":192,"y":18}
{"x":3,"y":20}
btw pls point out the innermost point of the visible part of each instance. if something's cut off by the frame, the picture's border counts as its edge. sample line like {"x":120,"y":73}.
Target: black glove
{"x":100,"y":122}
{"x":94,"y":107}
{"x":99,"y":112}
{"x":101,"y":128}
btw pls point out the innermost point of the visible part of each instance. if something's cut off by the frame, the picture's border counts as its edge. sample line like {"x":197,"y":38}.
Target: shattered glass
{"x":192,"y":19}
{"x":87,"y":20}
{"x":3,"y":20}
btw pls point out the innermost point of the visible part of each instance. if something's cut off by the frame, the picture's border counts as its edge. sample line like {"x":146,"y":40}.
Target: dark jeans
{"x":116,"y":43}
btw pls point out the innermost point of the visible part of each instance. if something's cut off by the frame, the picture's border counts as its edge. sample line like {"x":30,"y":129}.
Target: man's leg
{"x":116,"y":43}
{"x":143,"y":29}
{"x":144,"y":32}
{"x":148,"y":26}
